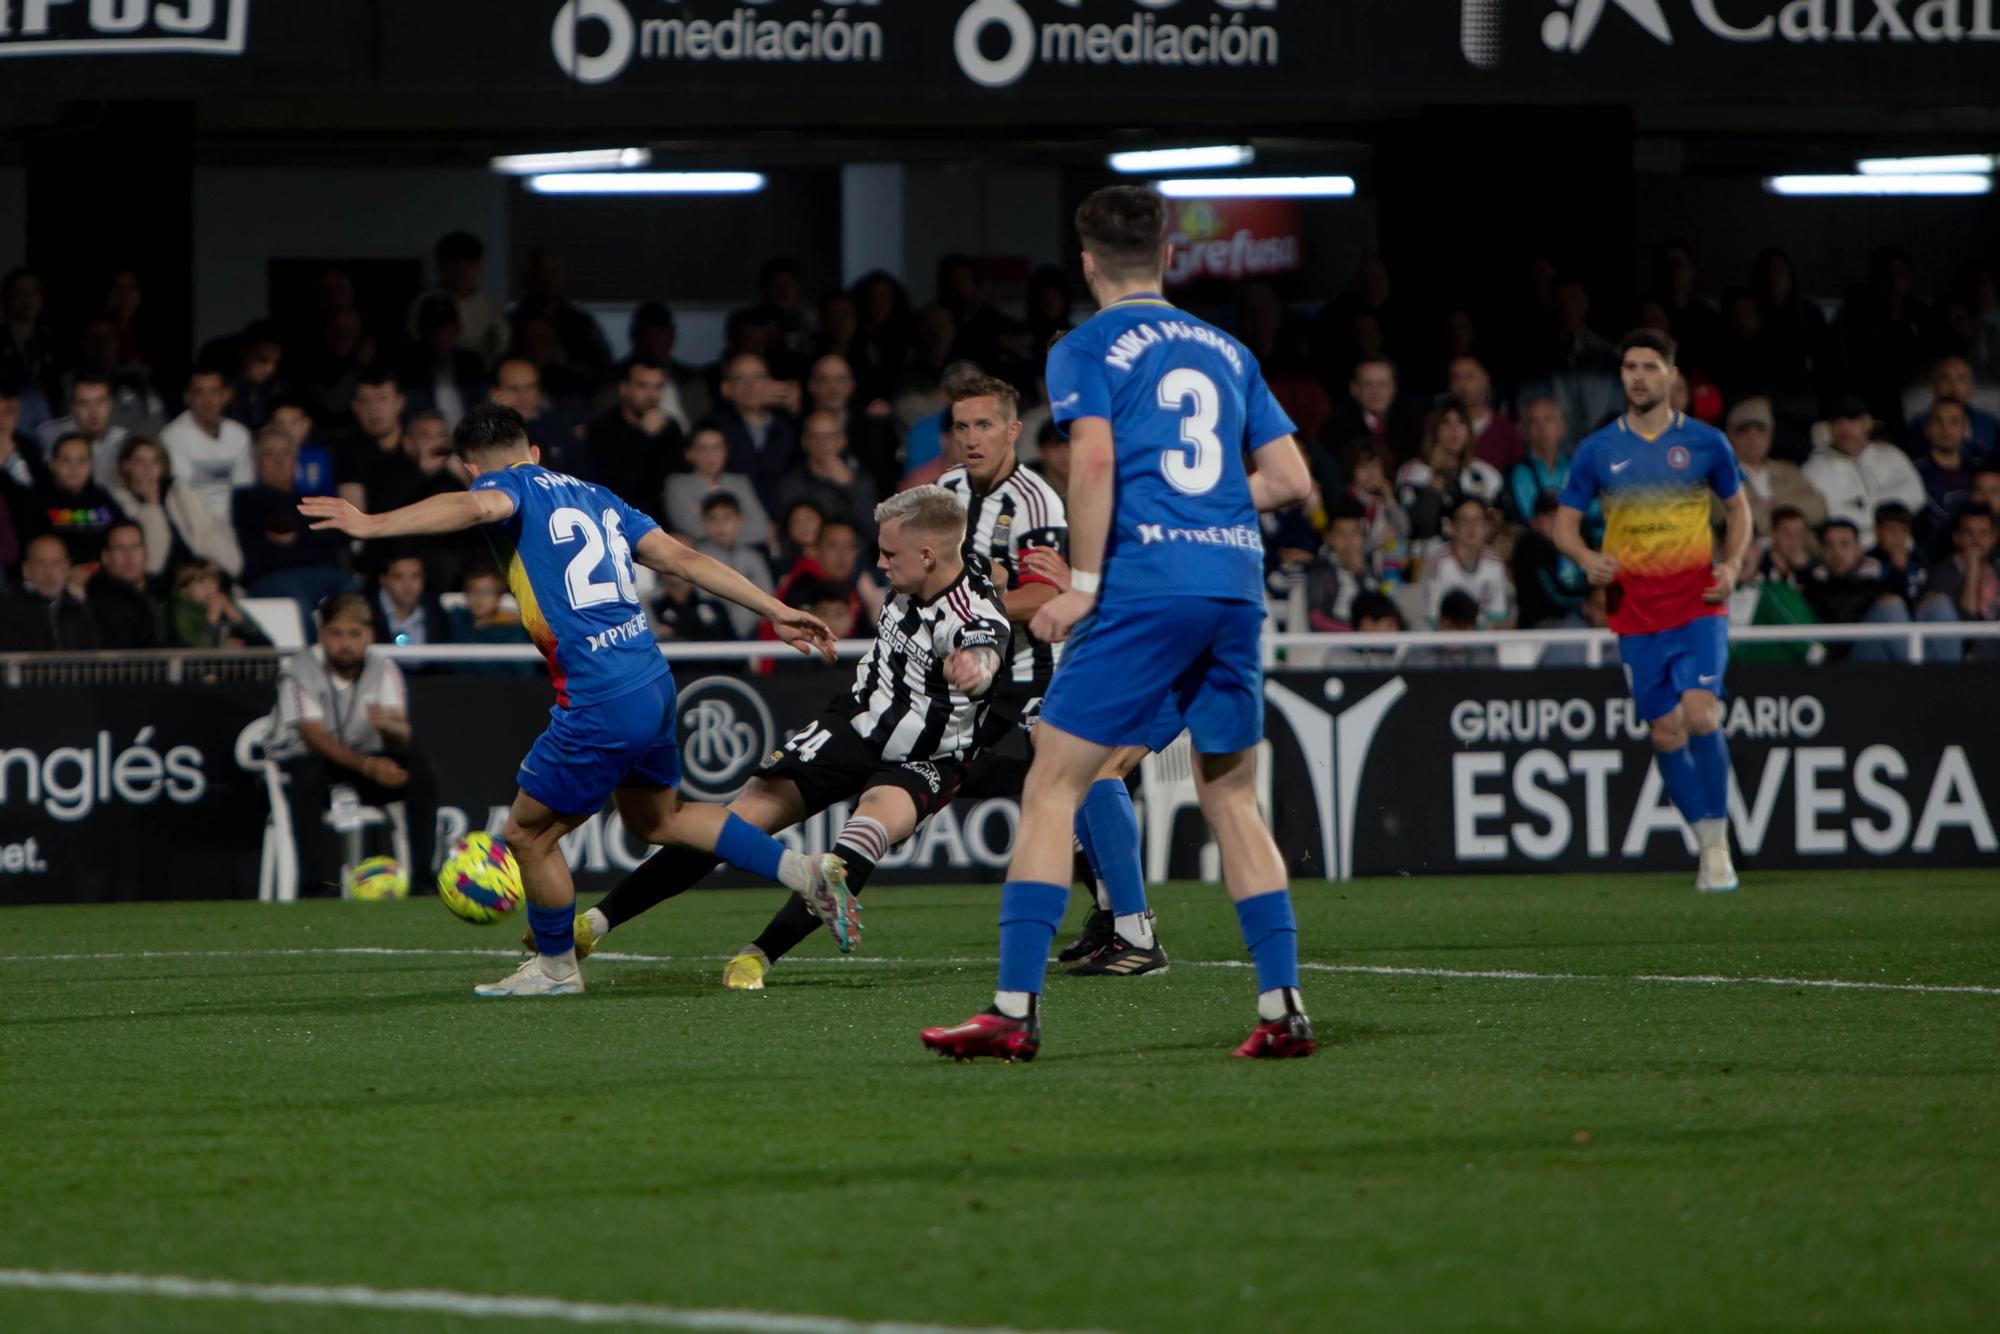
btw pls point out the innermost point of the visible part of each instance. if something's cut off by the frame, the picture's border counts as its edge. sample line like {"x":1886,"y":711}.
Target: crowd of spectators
{"x":136,"y":513}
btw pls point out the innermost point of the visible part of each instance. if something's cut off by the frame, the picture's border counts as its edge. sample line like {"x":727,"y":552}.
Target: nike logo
{"x":1705,"y":680}
{"x":1621,"y":467}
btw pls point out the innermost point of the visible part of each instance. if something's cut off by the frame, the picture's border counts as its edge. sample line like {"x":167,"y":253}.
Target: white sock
{"x":751,"y":948}
{"x":600,"y":925}
{"x":1014,"y":1004}
{"x":1278,"y":1002}
{"x":559,"y":965}
{"x":1137,"y":928}
{"x":795,"y":871}
{"x":1711,"y":834}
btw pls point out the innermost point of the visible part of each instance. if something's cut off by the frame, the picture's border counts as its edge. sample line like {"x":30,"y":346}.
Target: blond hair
{"x":927,"y":509}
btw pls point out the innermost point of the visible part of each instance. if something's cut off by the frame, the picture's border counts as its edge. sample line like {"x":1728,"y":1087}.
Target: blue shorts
{"x":1661,"y":666}
{"x":1136,"y":673}
{"x":591,"y":750}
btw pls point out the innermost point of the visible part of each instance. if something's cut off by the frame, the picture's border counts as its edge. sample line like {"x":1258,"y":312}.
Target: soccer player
{"x":1167,"y":601}
{"x":898,"y":738}
{"x":567,"y":548}
{"x":1654,"y":468}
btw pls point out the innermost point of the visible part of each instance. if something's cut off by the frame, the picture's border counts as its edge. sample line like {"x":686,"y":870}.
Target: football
{"x":479,"y":880}
{"x":377,"y":879}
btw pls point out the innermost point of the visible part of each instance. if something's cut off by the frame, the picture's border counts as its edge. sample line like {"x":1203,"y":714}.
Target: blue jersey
{"x":567,"y":556}
{"x":1185,"y":402}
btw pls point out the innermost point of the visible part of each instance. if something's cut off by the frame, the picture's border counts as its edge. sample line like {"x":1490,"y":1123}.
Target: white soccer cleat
{"x":532,"y":978}
{"x":1717,"y":874}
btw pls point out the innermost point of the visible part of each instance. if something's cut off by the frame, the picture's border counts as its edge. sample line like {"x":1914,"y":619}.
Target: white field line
{"x":545,"y":1309}
{"x":1348,"y":969}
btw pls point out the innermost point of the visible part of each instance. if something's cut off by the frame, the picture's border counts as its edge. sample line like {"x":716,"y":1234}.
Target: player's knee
{"x":524,"y":840}
{"x":1701,"y":711}
{"x":1670,"y":732}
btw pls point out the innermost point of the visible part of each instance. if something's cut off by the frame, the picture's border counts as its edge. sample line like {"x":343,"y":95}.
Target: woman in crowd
{"x":178,"y":527}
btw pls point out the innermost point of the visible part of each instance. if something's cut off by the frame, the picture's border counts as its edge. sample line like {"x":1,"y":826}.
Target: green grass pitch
{"x":1574,"y":1142}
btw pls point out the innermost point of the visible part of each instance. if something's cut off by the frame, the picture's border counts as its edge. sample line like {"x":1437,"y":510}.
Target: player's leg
{"x":1108,"y":827}
{"x":883,"y":818}
{"x":1649,"y":671}
{"x":534,"y":833}
{"x":1225,"y":716}
{"x":1706,"y":658}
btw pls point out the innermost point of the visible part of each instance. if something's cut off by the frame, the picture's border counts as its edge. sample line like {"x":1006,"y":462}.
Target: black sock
{"x":668,"y":872}
{"x":793,"y":923}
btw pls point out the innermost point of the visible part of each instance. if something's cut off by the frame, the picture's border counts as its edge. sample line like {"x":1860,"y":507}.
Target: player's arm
{"x":1601,"y":568}
{"x":1735,"y":546}
{"x":453,"y":512}
{"x":669,"y":555}
{"x":376,"y":768}
{"x":1092,"y":461}
{"x":1283,"y":479}
{"x":1033,"y":589}
{"x":975,"y":657}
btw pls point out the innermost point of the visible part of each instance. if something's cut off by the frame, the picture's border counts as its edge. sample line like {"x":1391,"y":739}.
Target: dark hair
{"x":55,"y":448}
{"x":1941,"y":401}
{"x":484,"y":572}
{"x":1974,"y":509}
{"x":650,"y":315}
{"x":1048,"y":433}
{"x":344,"y":606}
{"x":837,"y":521}
{"x":1377,"y":360}
{"x":797,"y":505}
{"x":1345,"y":508}
{"x":456,"y":247}
{"x":777,"y":264}
{"x":88,"y":377}
{"x":134,"y":443}
{"x":716,"y":500}
{"x":1892,"y":511}
{"x":1458,"y":605}
{"x":1373,"y":607}
{"x":806,"y":592}
{"x":201,"y":368}
{"x":639,"y":363}
{"x":1784,"y":512}
{"x":377,"y":374}
{"x":1548,"y":502}
{"x":1649,"y":340}
{"x":427,"y":415}
{"x":490,"y":428}
{"x":1465,"y":498}
{"x":262,"y":331}
{"x":985,"y":386}
{"x":1839,"y":522}
{"x":133,"y":524}
{"x":1124,"y":227}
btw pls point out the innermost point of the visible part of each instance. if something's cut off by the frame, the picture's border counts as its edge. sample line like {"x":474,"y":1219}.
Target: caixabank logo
{"x":134,"y":27}
{"x":596,"y":41}
{"x":997,"y":42}
{"x":1568,"y":26}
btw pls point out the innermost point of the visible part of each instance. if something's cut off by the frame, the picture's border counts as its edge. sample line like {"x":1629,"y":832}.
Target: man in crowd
{"x":1547,"y":584}
{"x":1495,"y":437}
{"x":405,"y":612}
{"x":1342,"y":571}
{"x":374,"y":466}
{"x":78,"y":510}
{"x":1904,"y":572}
{"x":870,"y":427}
{"x":210,"y":452}
{"x":1787,"y":554}
{"x":763,"y":442}
{"x":688,"y":492}
{"x":1855,"y":474}
{"x":1542,"y":467}
{"x":1944,"y":468}
{"x":1952,"y":378}
{"x":343,"y":718}
{"x":635,"y":445}
{"x":482,"y":328}
{"x":1769,"y":483}
{"x":829,"y":477}
{"x":834,"y":556}
{"x":443,"y":375}
{"x":1965,"y":586}
{"x":1374,"y":412}
{"x":1461,"y":563}
{"x":684,"y":397}
{"x":46,"y":614}
{"x":314,"y":475}
{"x":1846,"y":588}
{"x":282,"y":556}
{"x":722,"y":538}
{"x":129,"y":612}
{"x":518,"y":385}
{"x":90,"y":417}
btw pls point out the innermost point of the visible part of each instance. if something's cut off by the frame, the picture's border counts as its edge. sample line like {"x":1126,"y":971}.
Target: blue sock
{"x":748,"y":848}
{"x":1272,"y":934}
{"x":554,"y":928}
{"x":1683,"y":781}
{"x":1711,"y":762}
{"x":1114,"y":833}
{"x":1030,"y":912}
{"x":1083,"y":841}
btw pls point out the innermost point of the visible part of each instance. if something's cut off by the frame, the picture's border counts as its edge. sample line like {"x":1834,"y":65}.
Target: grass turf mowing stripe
{"x":177,"y":1288}
{"x":1347,"y":969}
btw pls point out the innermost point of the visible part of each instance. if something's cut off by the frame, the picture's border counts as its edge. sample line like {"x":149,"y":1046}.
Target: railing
{"x":1516,"y":649}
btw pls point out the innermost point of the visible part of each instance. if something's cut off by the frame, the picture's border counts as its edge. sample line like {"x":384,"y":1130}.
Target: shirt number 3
{"x":1193,"y":394}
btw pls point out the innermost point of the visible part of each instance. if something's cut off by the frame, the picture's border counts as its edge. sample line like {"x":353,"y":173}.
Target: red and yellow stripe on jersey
{"x":515,"y":571}
{"x":1656,"y":508}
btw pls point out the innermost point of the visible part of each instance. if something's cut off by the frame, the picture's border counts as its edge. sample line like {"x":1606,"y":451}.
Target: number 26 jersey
{"x":1186,"y":402}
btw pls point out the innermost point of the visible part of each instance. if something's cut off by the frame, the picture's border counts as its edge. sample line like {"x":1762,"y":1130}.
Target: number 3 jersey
{"x":1185,"y":402}
{"x":907,"y":710}
{"x":567,"y":557}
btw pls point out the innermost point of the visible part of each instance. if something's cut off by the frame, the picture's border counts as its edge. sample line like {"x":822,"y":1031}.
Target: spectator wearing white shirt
{"x":90,"y":405}
{"x":1461,"y":563}
{"x":1856,"y":473}
{"x":208,"y":451}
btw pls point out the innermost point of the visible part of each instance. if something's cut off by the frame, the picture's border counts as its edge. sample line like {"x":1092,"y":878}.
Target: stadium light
{"x":587,"y":159}
{"x":1880,"y":187}
{"x":1956,"y":164}
{"x":1182,"y":159}
{"x":1259,"y":187}
{"x":648,"y":183}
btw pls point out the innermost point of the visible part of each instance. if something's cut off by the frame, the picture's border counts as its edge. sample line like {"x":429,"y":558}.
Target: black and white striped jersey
{"x":907,"y":710}
{"x":1022,"y":511}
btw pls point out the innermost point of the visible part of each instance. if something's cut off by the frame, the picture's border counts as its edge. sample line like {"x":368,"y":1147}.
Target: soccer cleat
{"x":1279,"y":1039}
{"x":1121,"y":958}
{"x":746,"y":971}
{"x":829,"y":900}
{"x":1717,"y":873}
{"x":988,"y":1033}
{"x":586,"y":939}
{"x":533,"y":979}
{"x":1097,"y":932}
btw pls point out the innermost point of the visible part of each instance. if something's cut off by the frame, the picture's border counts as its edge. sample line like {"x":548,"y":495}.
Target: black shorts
{"x":829,"y":762}
{"x":1013,"y":710}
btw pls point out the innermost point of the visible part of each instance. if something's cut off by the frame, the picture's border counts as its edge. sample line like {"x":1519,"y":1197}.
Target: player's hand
{"x":1601,"y":569}
{"x":383,"y":770}
{"x":335,"y":513}
{"x":382,"y":716}
{"x":805,"y":632}
{"x":1727,"y":573}
{"x":969,"y":670}
{"x":1047,"y":563}
{"x":1059,"y":616}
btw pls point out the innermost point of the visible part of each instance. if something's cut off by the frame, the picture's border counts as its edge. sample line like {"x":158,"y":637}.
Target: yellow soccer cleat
{"x":586,"y":939}
{"x":746,"y":971}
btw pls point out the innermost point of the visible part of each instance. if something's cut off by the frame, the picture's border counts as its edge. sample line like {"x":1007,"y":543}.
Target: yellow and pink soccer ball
{"x":479,"y":880}
{"x":376,"y":880}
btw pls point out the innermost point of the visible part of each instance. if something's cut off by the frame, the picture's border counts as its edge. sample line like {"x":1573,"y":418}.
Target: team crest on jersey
{"x":1677,"y":457}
